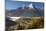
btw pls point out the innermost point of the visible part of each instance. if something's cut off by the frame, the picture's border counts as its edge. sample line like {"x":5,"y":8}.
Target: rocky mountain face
{"x":25,"y":12}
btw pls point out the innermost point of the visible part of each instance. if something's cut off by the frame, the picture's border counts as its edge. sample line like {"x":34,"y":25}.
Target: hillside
{"x":25,"y":12}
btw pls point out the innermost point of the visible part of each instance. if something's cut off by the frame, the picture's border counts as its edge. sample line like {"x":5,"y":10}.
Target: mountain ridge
{"x":24,"y":12}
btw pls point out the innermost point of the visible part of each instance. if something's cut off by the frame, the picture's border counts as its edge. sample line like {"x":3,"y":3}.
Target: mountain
{"x":25,"y":12}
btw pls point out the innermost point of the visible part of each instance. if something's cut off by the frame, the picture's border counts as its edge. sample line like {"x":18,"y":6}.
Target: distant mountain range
{"x":25,"y":12}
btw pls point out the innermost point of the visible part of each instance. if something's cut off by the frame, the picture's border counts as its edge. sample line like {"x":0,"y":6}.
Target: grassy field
{"x":28,"y":23}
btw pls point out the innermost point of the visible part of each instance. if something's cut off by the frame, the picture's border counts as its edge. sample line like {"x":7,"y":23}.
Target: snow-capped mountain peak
{"x":30,"y":5}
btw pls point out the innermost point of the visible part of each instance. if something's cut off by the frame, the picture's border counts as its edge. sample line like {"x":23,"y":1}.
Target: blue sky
{"x":14,"y":4}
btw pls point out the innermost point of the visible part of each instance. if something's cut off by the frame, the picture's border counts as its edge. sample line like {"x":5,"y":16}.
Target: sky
{"x":14,"y":4}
